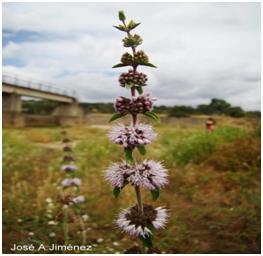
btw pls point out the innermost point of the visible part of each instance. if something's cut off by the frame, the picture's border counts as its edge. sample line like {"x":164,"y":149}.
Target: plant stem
{"x":134,"y":116}
{"x":139,"y":199}
{"x":82,"y":224}
{"x":134,"y":121}
{"x":65,"y":224}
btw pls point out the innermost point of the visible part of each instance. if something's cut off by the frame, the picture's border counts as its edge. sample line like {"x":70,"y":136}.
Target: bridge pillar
{"x":12,"y":110}
{"x":11,"y":102}
{"x":69,"y":114}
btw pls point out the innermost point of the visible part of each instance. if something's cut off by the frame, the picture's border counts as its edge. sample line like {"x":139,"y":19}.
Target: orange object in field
{"x":210,"y":124}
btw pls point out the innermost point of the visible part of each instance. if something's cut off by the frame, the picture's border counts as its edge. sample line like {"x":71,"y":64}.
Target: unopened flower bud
{"x":126,"y":58}
{"x":132,"y":40}
{"x":140,"y":58}
{"x":141,"y":104}
{"x":122,"y":16}
{"x":132,"y":78}
{"x":66,"y":140}
{"x":67,"y":149}
{"x":122,"y":105}
{"x":68,"y":159}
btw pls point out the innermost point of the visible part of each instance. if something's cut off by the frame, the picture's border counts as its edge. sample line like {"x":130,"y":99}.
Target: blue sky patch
{"x":19,"y":36}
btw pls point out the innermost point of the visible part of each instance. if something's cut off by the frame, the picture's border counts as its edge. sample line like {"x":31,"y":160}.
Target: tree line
{"x":215,"y":107}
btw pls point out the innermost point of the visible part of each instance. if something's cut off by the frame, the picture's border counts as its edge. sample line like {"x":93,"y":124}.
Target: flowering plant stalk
{"x":142,"y":219}
{"x":70,"y":197}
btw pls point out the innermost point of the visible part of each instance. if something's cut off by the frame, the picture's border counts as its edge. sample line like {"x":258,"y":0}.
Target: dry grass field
{"x":213,"y":194}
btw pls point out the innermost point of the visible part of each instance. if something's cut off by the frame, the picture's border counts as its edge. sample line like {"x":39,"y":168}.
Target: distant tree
{"x":216,"y":106}
{"x":219,"y":106}
{"x":235,"y":112}
{"x":161,"y":109}
{"x":254,"y":114}
{"x":204,"y":109}
{"x":181,"y":111}
{"x":38,"y":107}
{"x":98,"y":107}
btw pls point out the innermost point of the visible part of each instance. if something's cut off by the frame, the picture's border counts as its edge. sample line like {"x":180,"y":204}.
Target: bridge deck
{"x":36,"y":93}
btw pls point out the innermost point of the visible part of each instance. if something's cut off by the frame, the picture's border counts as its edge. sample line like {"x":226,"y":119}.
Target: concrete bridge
{"x":68,"y":111}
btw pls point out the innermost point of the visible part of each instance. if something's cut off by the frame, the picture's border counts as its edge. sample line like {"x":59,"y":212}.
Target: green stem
{"x":82,"y":224}
{"x":134,"y":121}
{"x":65,"y":224}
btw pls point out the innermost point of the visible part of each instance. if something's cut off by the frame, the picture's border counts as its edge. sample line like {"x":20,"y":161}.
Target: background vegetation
{"x":215,"y":107}
{"x":213,"y":194}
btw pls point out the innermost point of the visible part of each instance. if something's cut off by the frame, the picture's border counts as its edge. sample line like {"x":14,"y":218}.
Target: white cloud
{"x":201,"y":50}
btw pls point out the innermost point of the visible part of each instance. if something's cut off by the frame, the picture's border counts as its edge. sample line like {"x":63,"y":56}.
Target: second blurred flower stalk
{"x":70,"y":197}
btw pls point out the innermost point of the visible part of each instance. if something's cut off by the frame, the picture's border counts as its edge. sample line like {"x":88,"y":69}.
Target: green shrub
{"x":197,"y":146}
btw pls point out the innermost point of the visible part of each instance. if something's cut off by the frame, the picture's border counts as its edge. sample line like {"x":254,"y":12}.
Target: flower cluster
{"x":132,"y":136}
{"x":132,"y":78}
{"x":140,"y":58}
{"x":132,"y":223}
{"x":141,"y":104}
{"x":141,"y":219}
{"x":68,"y":158}
{"x":69,"y":192}
{"x":78,"y":199}
{"x":71,"y":182}
{"x":70,"y":200}
{"x":68,"y":167}
{"x":132,"y":40}
{"x":149,"y":174}
{"x":123,"y":105}
{"x":127,"y":59}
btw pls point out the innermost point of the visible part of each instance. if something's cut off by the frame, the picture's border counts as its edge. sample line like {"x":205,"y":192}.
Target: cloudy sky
{"x":202,"y":50}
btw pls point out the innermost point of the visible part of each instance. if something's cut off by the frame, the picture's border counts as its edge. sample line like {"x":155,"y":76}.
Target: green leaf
{"x":148,"y":65}
{"x":116,"y":116}
{"x":116,"y":191}
{"x":156,"y":116}
{"x":120,"y":65}
{"x":72,"y":174}
{"x":152,"y":115}
{"x":142,"y":150}
{"x":147,"y":241}
{"x":120,"y":27}
{"x":77,"y":189}
{"x":128,"y":155}
{"x":139,"y":89}
{"x":155,"y":194}
{"x":133,"y":25}
{"x":122,"y":16}
{"x":76,"y":207}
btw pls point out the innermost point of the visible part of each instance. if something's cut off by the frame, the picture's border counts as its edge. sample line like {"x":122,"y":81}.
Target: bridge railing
{"x":38,"y":85}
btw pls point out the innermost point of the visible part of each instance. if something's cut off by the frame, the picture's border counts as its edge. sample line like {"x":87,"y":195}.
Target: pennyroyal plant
{"x":142,"y":219}
{"x":70,"y":184}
